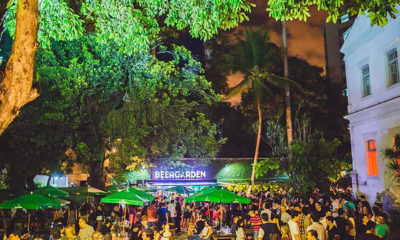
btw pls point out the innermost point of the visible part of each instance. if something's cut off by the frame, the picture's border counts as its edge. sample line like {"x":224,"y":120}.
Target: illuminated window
{"x":372,"y":161}
{"x":393,"y":67}
{"x":366,"y":83}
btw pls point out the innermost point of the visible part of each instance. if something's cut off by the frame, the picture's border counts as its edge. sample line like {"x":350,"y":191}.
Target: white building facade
{"x":372,"y":57}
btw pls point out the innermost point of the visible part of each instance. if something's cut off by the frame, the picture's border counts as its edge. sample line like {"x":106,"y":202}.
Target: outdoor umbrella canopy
{"x":124,"y":197}
{"x":141,"y":194}
{"x":132,"y":196}
{"x":180,"y":190}
{"x":87,"y":190}
{"x":51,"y":192}
{"x":199,"y":193}
{"x":31,"y":201}
{"x":220,"y":196}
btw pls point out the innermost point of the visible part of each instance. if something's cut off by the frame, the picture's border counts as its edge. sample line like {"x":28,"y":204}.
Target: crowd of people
{"x":268,"y":217}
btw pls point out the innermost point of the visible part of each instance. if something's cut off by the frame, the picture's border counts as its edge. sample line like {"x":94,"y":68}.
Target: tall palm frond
{"x":393,"y":156}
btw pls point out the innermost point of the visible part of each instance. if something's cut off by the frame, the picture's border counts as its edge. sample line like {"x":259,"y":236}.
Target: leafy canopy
{"x":137,"y":21}
{"x":378,"y":10}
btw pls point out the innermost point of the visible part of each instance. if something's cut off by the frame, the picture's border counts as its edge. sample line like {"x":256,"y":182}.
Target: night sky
{"x":305,"y":39}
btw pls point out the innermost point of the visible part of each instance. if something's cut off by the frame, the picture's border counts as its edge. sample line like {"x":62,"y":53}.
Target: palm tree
{"x":288,"y":110}
{"x":255,"y":57}
{"x":393,"y":156}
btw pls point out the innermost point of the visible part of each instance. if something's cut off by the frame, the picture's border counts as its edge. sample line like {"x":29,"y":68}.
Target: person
{"x":172,"y":211}
{"x":318,"y":227}
{"x":267,"y":209}
{"x":382,"y":229}
{"x":205,"y":233}
{"x":269,"y":229}
{"x":255,"y":222}
{"x":136,"y":233}
{"x":234,"y":224}
{"x":178,"y":211}
{"x":351,"y":225}
{"x":25,"y":234}
{"x":14,"y":236}
{"x":361,"y":227}
{"x":312,"y":235}
{"x":86,"y":231}
{"x":240,"y":233}
{"x":348,"y":204}
{"x":319,"y":211}
{"x":69,"y":232}
{"x":302,"y":222}
{"x":285,"y":216}
{"x":166,"y":234}
{"x":333,"y":233}
{"x":55,"y":232}
{"x":186,"y":216}
{"x":162,"y":215}
{"x":285,"y":232}
{"x":200,"y":223}
{"x":370,"y":232}
{"x":341,"y":223}
{"x":105,"y":229}
{"x":98,"y":236}
{"x":151,"y":214}
{"x":148,"y":234}
{"x":293,"y":225}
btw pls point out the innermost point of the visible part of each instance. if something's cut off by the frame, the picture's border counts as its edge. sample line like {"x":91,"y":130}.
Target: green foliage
{"x":121,"y":22}
{"x":165,"y":115}
{"x":392,"y":155}
{"x":378,"y":11}
{"x":132,"y":21}
{"x":133,"y":176}
{"x":273,"y":188}
{"x":275,"y":137}
{"x":235,"y":171}
{"x":56,"y":21}
{"x":203,"y":17}
{"x":312,"y":163}
{"x":267,"y":166}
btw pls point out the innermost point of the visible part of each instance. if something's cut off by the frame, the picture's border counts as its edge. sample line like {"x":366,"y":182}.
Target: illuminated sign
{"x":179,"y":175}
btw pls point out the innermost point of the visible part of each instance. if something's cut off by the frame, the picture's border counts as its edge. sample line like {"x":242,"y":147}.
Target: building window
{"x":393,"y":67}
{"x":372,"y":161}
{"x":366,"y":83}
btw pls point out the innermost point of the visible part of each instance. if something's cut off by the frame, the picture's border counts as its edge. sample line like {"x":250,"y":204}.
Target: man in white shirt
{"x":172,"y":211}
{"x":294,"y":226}
{"x":267,"y":209}
{"x":318,"y":227}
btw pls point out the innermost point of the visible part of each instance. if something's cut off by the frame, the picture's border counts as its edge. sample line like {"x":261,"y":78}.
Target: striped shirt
{"x":256,"y":222}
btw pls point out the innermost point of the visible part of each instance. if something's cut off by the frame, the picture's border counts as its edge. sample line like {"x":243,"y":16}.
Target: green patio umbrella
{"x":180,"y":190}
{"x":124,"y":197}
{"x":141,"y":194}
{"x":199,"y":193}
{"x":220,"y":196}
{"x":31,"y":201}
{"x":132,"y":196}
{"x":51,"y":192}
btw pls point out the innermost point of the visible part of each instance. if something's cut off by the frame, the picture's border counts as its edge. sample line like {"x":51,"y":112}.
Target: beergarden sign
{"x":195,"y":174}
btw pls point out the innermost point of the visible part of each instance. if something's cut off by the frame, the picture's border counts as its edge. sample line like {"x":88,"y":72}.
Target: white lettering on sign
{"x":180,"y":175}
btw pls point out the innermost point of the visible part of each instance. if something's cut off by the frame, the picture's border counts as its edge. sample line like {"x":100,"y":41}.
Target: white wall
{"x":376,"y":116}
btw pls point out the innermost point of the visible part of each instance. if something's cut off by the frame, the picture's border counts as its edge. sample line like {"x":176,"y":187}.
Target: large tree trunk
{"x":253,"y":172}
{"x":97,"y":176}
{"x":16,"y":86}
{"x":289,"y":125}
